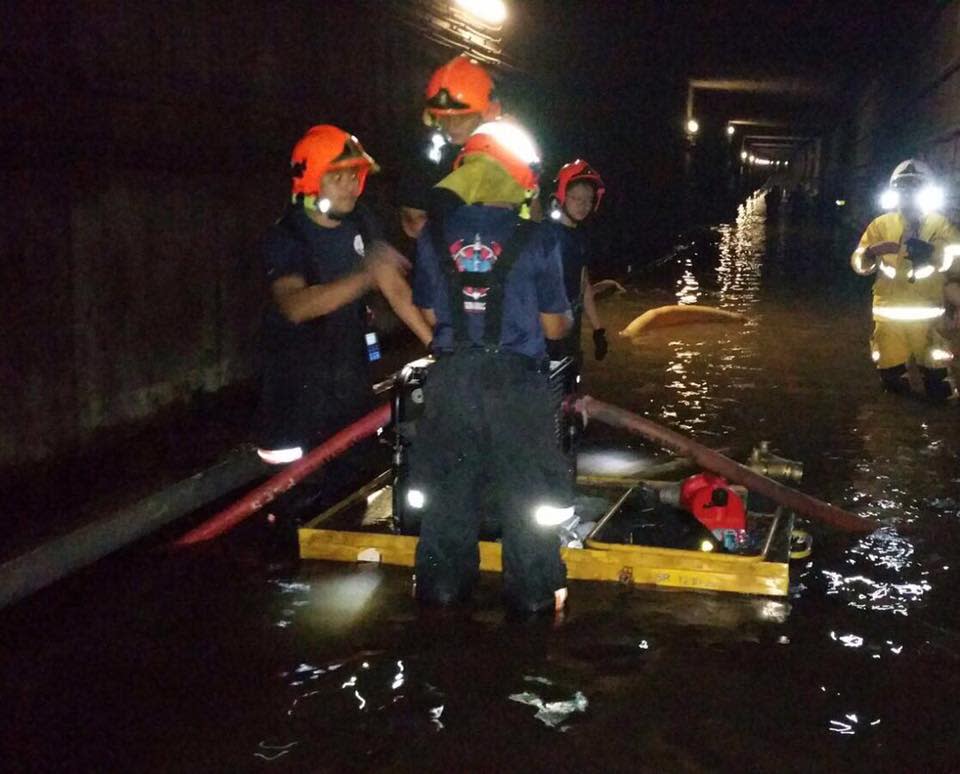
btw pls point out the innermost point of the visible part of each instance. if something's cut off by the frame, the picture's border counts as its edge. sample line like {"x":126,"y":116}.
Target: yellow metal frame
{"x":665,"y":567}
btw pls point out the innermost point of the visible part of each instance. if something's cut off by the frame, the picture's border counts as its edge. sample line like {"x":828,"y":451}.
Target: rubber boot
{"x":935,"y":384}
{"x":894,"y":380}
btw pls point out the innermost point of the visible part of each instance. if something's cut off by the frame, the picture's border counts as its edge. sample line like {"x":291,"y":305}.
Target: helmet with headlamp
{"x":913,"y":188}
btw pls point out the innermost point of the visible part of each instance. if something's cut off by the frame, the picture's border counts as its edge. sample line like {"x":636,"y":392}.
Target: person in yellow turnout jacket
{"x":915,"y":253}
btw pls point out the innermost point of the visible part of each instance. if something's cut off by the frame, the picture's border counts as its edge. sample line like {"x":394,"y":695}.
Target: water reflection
{"x":688,"y":288}
{"x":698,"y":364}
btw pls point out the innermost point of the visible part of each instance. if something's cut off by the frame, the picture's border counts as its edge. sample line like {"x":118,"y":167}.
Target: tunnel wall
{"x":145,"y":152}
{"x":908,"y":107}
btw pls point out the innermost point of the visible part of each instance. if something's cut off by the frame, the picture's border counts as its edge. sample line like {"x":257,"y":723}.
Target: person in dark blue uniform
{"x":577,"y":193}
{"x":321,"y":258}
{"x":492,"y":287}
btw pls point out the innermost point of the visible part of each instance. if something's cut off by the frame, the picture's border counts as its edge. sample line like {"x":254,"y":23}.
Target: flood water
{"x":215,"y":662}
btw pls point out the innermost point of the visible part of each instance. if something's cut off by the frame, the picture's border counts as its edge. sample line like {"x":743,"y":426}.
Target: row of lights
{"x":693,"y":126}
{"x":761,"y":162}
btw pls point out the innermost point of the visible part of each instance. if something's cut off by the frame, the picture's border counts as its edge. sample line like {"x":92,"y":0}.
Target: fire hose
{"x":289,"y":477}
{"x":591,"y":408}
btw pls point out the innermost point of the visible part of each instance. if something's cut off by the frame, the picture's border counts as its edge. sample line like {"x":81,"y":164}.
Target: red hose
{"x":287,"y":478}
{"x":724,"y":466}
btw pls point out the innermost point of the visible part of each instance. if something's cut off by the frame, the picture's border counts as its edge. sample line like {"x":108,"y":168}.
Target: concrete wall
{"x":908,"y":104}
{"x":145,"y":151}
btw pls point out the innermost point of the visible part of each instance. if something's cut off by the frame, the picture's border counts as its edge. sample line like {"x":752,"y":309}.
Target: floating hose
{"x":717,"y":463}
{"x":288,"y":478}
{"x":679,"y":314}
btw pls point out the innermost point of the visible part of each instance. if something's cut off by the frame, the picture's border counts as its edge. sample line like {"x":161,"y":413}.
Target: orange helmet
{"x":461,"y":86}
{"x":575,"y":172}
{"x":509,"y":145}
{"x":324,"y":148}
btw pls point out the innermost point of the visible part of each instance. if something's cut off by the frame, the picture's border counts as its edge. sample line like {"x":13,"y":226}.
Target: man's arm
{"x":555,"y":317}
{"x":299,"y":302}
{"x":426,"y":279}
{"x":871,"y":247}
{"x":389,"y":279}
{"x":600,"y":344}
{"x":949,"y":252}
{"x":555,"y":326}
{"x":382,"y":268}
{"x":589,"y":301}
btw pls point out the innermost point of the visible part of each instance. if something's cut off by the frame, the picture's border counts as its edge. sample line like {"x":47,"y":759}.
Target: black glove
{"x":600,"y":345}
{"x":919,"y":252}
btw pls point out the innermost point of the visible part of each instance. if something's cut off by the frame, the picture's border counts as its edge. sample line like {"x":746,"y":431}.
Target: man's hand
{"x":600,"y":345}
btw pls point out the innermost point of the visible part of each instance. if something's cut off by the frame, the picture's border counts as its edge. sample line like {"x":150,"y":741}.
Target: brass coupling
{"x":768,"y":464}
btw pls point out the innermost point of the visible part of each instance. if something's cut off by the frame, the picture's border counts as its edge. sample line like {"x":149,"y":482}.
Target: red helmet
{"x":575,"y":172}
{"x":322,"y":149}
{"x":461,"y":86}
{"x":510,"y":145}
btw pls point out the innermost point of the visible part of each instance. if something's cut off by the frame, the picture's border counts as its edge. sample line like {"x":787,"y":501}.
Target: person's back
{"x":518,"y":257}
{"x":493,"y":288}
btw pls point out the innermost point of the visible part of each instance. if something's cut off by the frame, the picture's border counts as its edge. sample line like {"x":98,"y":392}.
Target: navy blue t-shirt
{"x":575,"y":257}
{"x":475,"y":237}
{"x":315,"y":374}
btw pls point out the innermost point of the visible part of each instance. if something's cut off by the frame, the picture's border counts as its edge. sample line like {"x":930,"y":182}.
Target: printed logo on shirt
{"x":358,"y":245}
{"x":479,"y":258}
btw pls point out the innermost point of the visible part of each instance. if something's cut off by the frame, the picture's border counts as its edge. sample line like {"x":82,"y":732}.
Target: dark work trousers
{"x":488,"y":432}
{"x":339,"y":476}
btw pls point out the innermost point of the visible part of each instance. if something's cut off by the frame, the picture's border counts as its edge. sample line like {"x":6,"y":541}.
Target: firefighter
{"x":321,"y":258}
{"x":459,"y":97}
{"x":578,"y":190}
{"x":912,"y":250}
{"x":491,"y":285}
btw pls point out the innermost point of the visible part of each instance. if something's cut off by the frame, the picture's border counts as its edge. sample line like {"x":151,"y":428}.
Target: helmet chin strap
{"x":335,"y":214}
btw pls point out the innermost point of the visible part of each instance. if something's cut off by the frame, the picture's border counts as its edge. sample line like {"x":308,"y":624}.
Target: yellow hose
{"x":679,"y":314}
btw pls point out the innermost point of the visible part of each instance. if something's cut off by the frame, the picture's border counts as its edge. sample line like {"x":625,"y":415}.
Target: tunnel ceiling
{"x":779,"y":72}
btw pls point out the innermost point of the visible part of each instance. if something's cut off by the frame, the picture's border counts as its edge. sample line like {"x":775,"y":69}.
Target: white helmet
{"x":911,"y":173}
